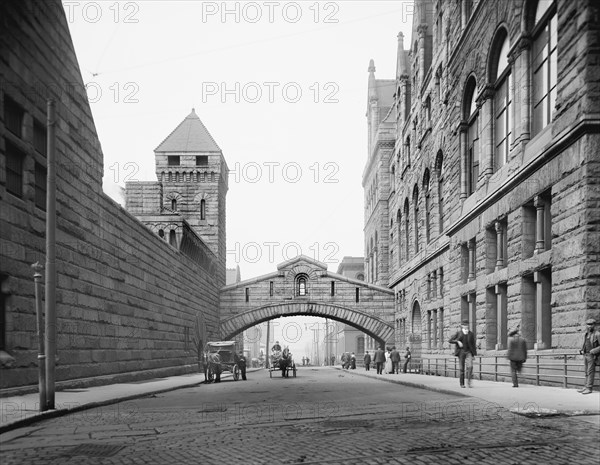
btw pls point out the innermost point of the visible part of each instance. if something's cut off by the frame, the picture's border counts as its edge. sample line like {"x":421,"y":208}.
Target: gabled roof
{"x":190,"y":136}
{"x":302,"y":258}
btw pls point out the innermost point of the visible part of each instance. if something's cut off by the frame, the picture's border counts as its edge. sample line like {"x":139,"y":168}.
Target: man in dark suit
{"x":395,"y":357}
{"x":367,"y":361}
{"x":379,"y":359}
{"x":591,"y":352}
{"x":465,"y":350}
{"x":517,"y":354}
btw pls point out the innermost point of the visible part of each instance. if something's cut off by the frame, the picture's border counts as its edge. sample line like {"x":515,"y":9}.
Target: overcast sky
{"x":282,"y":88}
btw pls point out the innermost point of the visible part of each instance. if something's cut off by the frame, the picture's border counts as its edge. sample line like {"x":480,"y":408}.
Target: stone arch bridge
{"x":303,"y":286}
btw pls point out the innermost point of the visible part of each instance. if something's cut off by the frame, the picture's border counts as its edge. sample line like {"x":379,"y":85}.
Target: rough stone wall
{"x":560,"y":162}
{"x":126,"y":300}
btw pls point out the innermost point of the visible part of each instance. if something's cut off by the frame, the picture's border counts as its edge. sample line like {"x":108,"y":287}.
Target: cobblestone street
{"x":322,"y":416}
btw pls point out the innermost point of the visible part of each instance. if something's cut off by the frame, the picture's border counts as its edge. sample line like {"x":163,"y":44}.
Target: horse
{"x":284,"y":362}
{"x":214,"y":366}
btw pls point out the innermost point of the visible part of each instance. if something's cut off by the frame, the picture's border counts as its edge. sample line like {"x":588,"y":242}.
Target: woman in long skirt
{"x":388,"y":362}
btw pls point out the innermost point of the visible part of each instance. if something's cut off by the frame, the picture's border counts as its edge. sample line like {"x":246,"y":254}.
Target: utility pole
{"x":39,"y":311}
{"x":267,"y":353}
{"x":51,"y":255}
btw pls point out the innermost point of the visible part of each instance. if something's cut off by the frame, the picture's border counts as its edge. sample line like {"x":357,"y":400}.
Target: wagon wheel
{"x":236,"y":372}
{"x":210,"y":375}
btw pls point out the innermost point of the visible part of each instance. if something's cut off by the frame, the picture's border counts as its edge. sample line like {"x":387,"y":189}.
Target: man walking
{"x":367,"y":361}
{"x":379,"y":359}
{"x":407,"y":357}
{"x":590,"y":351}
{"x":395,"y":357}
{"x":466,"y":350}
{"x":517,"y":354}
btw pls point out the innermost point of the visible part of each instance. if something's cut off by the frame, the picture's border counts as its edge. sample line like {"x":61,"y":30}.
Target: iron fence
{"x":556,"y":369}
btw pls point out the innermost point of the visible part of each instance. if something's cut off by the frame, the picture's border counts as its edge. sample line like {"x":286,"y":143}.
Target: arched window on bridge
{"x":301,"y":289}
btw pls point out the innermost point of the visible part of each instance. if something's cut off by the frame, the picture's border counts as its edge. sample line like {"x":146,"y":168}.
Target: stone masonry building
{"x":129,"y":303}
{"x":482,"y":197}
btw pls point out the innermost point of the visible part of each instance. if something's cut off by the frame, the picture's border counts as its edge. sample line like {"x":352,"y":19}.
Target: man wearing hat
{"x":590,"y":351}
{"x":517,"y":354}
{"x":465,"y":350}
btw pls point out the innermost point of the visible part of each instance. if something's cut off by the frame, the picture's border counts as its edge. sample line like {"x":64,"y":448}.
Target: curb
{"x":34,"y":418}
{"x":410,"y":384}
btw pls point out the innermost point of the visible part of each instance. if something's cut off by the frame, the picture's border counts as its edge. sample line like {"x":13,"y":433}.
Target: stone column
{"x":421,"y":31}
{"x":485,"y":102}
{"x":499,"y":245}
{"x":538,"y":202}
{"x":471,"y":248}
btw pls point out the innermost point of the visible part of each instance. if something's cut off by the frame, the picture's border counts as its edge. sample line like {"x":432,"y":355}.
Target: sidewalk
{"x":531,"y":400}
{"x":527,"y":399}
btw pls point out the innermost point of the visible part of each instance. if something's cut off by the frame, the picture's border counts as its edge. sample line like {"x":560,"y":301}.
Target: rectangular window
{"x":491,"y":250}
{"x":441,"y":325}
{"x":39,"y":137}
{"x":271,"y":288}
{"x":528,"y":232}
{"x":247,"y":294}
{"x":201,"y":160}
{"x":14,"y":170}
{"x":357,"y":294}
{"x":173,"y":160}
{"x":40,"y":186}
{"x":429,"y":322}
{"x":13,"y":116}
{"x":464,"y":262}
{"x":528,"y":310}
{"x":441,"y":275}
{"x":332,"y":288}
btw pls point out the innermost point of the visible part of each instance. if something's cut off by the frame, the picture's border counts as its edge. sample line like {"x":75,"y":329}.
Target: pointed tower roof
{"x":190,"y":136}
{"x":402,"y":68}
{"x":372,"y":83}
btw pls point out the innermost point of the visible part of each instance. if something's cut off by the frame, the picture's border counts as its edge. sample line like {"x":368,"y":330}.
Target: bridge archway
{"x":369,"y":324}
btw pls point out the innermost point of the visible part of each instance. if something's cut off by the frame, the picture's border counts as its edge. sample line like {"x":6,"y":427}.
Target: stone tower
{"x":190,"y":193}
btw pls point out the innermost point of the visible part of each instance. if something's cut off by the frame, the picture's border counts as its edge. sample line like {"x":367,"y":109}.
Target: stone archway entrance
{"x":415,"y":337}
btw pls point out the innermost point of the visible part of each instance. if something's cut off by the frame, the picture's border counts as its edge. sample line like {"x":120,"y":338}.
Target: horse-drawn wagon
{"x":221,"y":356}
{"x":283,"y":361}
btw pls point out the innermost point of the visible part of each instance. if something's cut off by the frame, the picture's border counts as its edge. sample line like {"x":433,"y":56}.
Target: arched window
{"x":301,"y":281}
{"x":471,"y":117}
{"x":174,"y":205}
{"x":406,"y":228}
{"x":173,"y":238}
{"x":544,"y":65}
{"x":360,"y":277}
{"x":439,"y":170}
{"x":427,"y":194}
{"x":202,"y":209}
{"x":161,"y":233}
{"x":416,"y":216}
{"x":501,"y":78}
